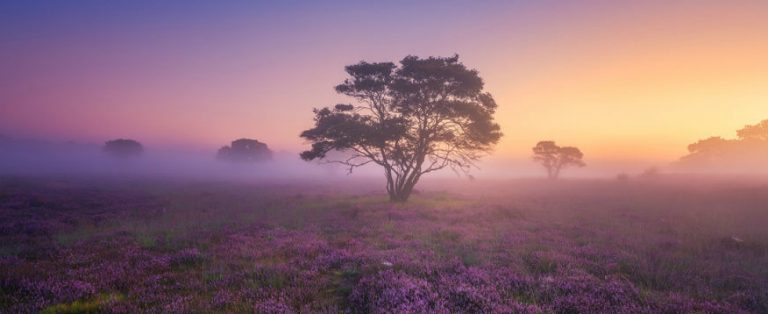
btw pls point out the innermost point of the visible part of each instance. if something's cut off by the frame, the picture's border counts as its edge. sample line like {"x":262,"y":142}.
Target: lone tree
{"x":419,"y":117}
{"x":245,"y":150}
{"x":555,"y":158}
{"x":123,"y":148}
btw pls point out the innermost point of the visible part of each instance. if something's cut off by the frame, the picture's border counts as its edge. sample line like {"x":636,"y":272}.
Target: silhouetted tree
{"x":555,"y":158}
{"x":419,"y":117}
{"x":123,"y":148}
{"x":713,"y":149}
{"x":245,"y":150}
{"x":712,"y":144}
{"x":749,"y":152}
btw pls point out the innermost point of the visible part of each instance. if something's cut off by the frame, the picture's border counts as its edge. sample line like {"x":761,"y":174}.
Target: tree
{"x":419,"y":117}
{"x":712,"y":149}
{"x":758,"y":131}
{"x":123,"y":148}
{"x":555,"y":158}
{"x":712,"y":144}
{"x":748,"y":152}
{"x":245,"y":150}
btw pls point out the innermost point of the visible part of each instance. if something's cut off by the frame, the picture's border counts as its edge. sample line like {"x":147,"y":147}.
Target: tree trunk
{"x":399,"y":191}
{"x":398,"y":198}
{"x":390,"y":184}
{"x":401,"y":196}
{"x":553,"y":172}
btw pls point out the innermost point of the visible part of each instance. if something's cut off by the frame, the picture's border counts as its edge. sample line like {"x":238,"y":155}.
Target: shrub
{"x":395,"y":292}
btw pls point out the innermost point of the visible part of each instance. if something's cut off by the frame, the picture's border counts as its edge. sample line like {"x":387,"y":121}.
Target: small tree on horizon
{"x":245,"y":150}
{"x":555,"y":158}
{"x":123,"y":148}
{"x":419,"y":117}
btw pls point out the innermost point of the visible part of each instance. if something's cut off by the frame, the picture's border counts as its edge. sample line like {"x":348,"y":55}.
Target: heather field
{"x":73,"y":245}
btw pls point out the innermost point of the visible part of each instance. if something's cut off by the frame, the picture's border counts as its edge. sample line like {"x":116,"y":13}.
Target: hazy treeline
{"x":36,"y":157}
{"x":748,"y":153}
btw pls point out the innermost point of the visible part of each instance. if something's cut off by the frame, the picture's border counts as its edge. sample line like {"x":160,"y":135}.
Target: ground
{"x":682,"y":245}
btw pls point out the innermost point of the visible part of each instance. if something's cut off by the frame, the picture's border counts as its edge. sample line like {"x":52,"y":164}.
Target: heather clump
{"x":272,"y":306}
{"x":587,"y":294}
{"x":41,"y":292}
{"x":187,"y":257}
{"x":676,"y":303}
{"x":395,"y":292}
{"x":471,"y":290}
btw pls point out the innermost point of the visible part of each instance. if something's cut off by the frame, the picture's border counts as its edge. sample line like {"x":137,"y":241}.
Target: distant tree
{"x":245,"y":150}
{"x":758,"y":131}
{"x":709,"y":150}
{"x":123,"y":148}
{"x":749,"y":152}
{"x":547,"y":154}
{"x":713,"y":144}
{"x":555,"y":158}
{"x":419,"y":117}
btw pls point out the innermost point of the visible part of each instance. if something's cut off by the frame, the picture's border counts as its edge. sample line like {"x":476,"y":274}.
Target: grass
{"x":94,"y":305}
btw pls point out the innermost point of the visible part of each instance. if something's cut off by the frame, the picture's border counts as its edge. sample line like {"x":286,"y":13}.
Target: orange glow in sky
{"x":635,"y":80}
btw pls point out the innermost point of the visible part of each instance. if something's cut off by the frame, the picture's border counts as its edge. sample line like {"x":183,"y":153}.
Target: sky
{"x":622,"y":80}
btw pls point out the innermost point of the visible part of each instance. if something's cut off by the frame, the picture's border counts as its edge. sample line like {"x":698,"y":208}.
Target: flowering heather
{"x":395,"y":292}
{"x":173,"y":247}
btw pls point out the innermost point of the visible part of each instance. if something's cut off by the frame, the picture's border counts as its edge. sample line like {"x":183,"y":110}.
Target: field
{"x":665,"y":245}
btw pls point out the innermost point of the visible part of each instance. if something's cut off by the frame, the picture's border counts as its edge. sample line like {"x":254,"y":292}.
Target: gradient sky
{"x":637,"y":80}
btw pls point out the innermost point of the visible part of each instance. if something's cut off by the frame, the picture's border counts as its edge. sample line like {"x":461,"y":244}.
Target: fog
{"x":37,"y":157}
{"x":40,"y":157}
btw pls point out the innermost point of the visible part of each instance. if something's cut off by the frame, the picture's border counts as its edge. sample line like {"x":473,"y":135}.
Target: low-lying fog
{"x":36,"y":157}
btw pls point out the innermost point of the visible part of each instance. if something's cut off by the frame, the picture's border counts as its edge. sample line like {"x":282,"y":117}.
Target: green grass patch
{"x":94,"y":305}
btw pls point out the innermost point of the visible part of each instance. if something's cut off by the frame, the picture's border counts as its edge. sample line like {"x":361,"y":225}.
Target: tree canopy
{"x":123,"y":148}
{"x":757,"y":131}
{"x":748,"y":152}
{"x":555,"y":158}
{"x":421,"y":116}
{"x":245,"y":150}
